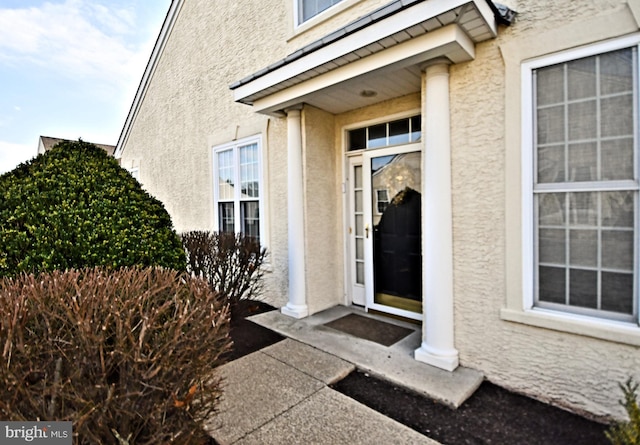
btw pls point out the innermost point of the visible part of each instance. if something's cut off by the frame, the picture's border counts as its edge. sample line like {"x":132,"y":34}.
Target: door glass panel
{"x":359,"y":224}
{"x":397,"y":231}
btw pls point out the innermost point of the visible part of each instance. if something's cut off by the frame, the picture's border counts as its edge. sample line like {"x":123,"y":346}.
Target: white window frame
{"x":235,"y":146}
{"x":529,"y":249}
{"x":301,"y":25}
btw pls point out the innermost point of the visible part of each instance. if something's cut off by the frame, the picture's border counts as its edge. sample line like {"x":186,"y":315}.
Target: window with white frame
{"x":308,"y":9}
{"x":584,"y":184}
{"x":238,"y":187}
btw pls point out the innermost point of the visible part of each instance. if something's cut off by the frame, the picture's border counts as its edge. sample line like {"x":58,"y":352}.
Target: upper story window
{"x":308,"y":9}
{"x":401,"y":131}
{"x":585,"y":181}
{"x":238,"y":187}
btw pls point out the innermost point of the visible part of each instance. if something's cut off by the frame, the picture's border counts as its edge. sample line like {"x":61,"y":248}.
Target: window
{"x":382,"y":200}
{"x":238,"y":188}
{"x":402,"y":131}
{"x":585,"y":182}
{"x":310,"y":8}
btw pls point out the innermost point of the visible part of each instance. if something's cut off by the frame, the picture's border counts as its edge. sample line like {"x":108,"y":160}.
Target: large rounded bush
{"x":75,"y":207}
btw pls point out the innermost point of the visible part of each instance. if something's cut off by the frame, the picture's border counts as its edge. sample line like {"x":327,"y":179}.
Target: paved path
{"x":280,"y":395}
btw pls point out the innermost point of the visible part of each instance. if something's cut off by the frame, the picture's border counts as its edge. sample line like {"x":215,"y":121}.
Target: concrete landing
{"x":279,"y":395}
{"x":395,"y":363}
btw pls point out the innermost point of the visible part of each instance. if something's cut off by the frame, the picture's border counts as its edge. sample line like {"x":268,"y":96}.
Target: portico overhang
{"x":374,"y":58}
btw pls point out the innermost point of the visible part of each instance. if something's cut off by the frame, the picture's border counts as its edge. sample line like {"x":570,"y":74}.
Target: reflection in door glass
{"x":397,"y":230}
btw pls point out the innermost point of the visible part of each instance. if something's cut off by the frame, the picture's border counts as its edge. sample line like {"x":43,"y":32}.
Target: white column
{"x":437,"y":346}
{"x":297,"y":305}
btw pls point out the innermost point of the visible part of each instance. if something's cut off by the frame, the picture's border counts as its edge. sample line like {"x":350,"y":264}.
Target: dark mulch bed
{"x":491,"y":416}
{"x":248,"y":336}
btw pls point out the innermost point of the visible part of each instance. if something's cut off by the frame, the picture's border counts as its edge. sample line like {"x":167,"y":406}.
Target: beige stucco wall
{"x":575,"y":371}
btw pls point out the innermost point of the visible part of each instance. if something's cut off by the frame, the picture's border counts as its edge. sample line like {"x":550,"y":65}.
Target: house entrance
{"x":385,"y":230}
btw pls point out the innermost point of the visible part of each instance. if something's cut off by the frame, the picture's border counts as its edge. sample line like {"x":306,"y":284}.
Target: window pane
{"x":226,"y":217}
{"x":550,"y":85}
{"x":583,"y":209}
{"x":617,"y":249}
{"x":225,"y":175}
{"x":551,"y":209}
{"x":311,"y":8}
{"x":250,"y":215}
{"x":616,"y":71}
{"x":552,"y":246}
{"x":581,"y":78}
{"x":360,"y":272}
{"x":617,"y":159}
{"x":583,"y":285}
{"x":552,"y":284}
{"x":399,"y":132}
{"x":551,"y":164}
{"x":617,"y":292}
{"x":249,"y":174}
{"x":359,"y":249}
{"x":583,"y":161}
{"x":617,"y":209}
{"x":358,"y":139}
{"x":583,"y":120}
{"x":416,"y":128}
{"x":583,"y":248}
{"x":377,"y":136}
{"x":357,"y":173}
{"x":617,"y":116}
{"x":551,"y":125}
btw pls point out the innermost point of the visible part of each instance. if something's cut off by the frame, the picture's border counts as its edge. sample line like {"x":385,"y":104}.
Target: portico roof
{"x":379,"y":54}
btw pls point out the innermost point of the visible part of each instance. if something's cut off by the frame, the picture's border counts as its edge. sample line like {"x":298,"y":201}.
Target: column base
{"x":447,"y":360}
{"x":295,"y":310}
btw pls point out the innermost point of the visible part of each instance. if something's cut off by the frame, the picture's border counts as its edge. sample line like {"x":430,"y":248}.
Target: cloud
{"x":13,"y":154}
{"x":79,"y":39}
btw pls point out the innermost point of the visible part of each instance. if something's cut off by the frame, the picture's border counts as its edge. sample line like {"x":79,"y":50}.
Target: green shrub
{"x":231,"y":263}
{"x":123,"y":354}
{"x":74,"y":207}
{"x":627,"y":433}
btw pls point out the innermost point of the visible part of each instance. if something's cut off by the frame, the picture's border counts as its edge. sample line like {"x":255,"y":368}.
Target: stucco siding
{"x":323,"y":214}
{"x":572,"y":371}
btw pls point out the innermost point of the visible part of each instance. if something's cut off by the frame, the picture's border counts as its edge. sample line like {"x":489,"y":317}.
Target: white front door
{"x":385,"y":191}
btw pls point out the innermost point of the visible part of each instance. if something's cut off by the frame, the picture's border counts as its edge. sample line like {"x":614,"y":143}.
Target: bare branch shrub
{"x":231,"y":263}
{"x":126,"y":355}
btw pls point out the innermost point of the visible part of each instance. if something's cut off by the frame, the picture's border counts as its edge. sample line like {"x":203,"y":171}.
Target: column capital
{"x":444,"y":62}
{"x":292,"y":109}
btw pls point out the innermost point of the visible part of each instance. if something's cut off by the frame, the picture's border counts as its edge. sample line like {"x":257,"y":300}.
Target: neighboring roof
{"x":503,"y":15}
{"x":47,"y":143}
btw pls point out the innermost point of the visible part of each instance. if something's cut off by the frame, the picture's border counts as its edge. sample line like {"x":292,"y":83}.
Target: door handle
{"x":366,"y":231}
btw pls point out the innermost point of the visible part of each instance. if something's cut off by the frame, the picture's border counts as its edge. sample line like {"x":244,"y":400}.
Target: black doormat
{"x":370,"y":329}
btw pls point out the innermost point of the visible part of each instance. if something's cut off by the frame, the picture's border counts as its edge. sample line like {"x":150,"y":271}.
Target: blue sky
{"x":70,"y":69}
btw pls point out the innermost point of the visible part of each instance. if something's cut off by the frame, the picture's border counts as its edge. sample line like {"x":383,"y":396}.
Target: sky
{"x":70,"y":69}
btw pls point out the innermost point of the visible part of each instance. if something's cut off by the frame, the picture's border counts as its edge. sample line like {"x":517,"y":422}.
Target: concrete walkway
{"x":280,"y":395}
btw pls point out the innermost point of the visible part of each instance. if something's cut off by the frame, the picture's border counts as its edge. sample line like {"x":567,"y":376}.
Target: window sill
{"x":614,"y":331}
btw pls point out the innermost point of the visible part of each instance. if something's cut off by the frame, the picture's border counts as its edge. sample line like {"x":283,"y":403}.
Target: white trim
{"x":603,"y":329}
{"x":152,"y":64}
{"x":530,"y":314}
